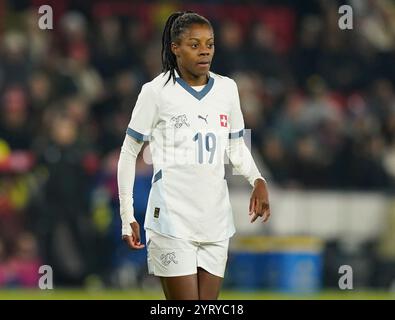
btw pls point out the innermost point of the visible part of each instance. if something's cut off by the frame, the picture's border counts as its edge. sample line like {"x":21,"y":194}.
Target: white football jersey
{"x":188,"y":131}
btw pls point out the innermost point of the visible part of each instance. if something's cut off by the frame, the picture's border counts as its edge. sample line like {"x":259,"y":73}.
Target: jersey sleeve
{"x":144,"y":115}
{"x":236,"y":116}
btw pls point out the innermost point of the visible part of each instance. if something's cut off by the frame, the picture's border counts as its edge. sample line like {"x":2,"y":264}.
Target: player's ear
{"x":175,"y":49}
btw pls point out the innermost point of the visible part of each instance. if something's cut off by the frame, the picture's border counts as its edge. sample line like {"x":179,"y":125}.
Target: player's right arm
{"x":143,"y":120}
{"x":126,"y":175}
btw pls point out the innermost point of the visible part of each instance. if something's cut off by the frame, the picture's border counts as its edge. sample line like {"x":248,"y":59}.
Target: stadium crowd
{"x":320,"y":102}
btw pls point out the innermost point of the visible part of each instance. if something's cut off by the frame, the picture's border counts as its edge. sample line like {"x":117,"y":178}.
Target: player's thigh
{"x":212,"y":258}
{"x":209,"y":285}
{"x":181,"y":288}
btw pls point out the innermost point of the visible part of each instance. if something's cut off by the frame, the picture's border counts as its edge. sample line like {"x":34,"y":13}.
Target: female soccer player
{"x":191,"y":117}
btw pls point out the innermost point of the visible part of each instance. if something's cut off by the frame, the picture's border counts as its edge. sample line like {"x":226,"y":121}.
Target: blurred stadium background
{"x":320,"y":103}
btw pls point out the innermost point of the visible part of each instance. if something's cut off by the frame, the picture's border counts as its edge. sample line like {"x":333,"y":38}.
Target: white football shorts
{"x":171,"y":257}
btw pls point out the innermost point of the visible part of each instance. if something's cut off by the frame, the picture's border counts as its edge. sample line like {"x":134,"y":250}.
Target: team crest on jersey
{"x":179,"y":121}
{"x":223,"y":120}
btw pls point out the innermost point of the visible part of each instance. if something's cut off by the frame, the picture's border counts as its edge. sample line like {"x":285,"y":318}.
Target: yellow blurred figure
{"x":4,"y":150}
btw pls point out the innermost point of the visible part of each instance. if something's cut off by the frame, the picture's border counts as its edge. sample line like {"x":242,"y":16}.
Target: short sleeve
{"x":236,"y":116}
{"x":144,"y":115}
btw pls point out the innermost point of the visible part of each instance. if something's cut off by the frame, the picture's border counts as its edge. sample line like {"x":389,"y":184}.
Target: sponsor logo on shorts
{"x":168,"y":258}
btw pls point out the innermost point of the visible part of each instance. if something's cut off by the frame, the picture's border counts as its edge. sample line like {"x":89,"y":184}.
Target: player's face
{"x":195,"y":50}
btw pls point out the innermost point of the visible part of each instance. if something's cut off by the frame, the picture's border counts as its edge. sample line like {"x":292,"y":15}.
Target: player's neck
{"x":193,"y":80}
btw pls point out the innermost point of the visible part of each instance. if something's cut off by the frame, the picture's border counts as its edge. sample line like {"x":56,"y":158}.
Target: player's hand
{"x":133,"y":241}
{"x":259,"y":202}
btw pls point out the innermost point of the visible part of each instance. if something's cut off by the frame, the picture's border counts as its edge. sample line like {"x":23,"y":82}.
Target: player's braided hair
{"x":174,"y":27}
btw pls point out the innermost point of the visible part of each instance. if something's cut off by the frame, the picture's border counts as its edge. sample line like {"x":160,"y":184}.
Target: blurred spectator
{"x":3,"y":271}
{"x":109,"y":52}
{"x":23,"y":266}
{"x":39,"y":42}
{"x":14,"y":124}
{"x":69,"y":236}
{"x":251,"y":99}
{"x":20,"y":268}
{"x":14,"y":61}
{"x":305,"y":55}
{"x":277,"y":160}
{"x":261,"y":52}
{"x":229,"y":49}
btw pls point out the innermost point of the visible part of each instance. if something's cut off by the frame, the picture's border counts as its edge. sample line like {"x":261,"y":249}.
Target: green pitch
{"x":60,"y":294}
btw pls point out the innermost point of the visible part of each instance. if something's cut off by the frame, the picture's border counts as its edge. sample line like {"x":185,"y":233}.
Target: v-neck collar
{"x":197,"y":94}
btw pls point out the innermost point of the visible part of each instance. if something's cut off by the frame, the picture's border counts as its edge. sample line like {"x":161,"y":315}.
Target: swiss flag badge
{"x":223,"y":120}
